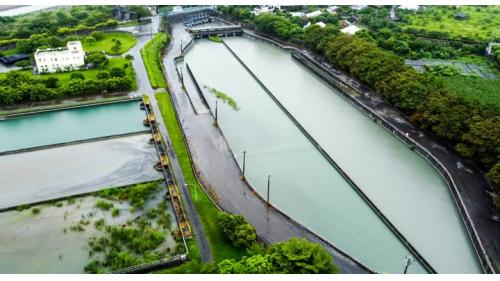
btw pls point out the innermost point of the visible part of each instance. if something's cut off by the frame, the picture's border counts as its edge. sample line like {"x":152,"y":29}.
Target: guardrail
{"x":367,"y":200}
{"x":146,"y":267}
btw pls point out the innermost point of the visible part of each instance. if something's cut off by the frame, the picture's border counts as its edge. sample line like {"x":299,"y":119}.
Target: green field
{"x":482,"y":22}
{"x":151,"y":57}
{"x":64,"y":77}
{"x":221,"y":248}
{"x":9,"y":52}
{"x":480,"y":91}
{"x":107,"y":42}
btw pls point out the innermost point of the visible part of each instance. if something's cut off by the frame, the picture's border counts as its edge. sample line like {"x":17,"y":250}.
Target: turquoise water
{"x":70,"y":125}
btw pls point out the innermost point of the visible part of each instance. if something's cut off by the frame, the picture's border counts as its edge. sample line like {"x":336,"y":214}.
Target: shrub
{"x":103,"y":205}
{"x":117,"y":72}
{"x":77,"y":75}
{"x":237,"y":230}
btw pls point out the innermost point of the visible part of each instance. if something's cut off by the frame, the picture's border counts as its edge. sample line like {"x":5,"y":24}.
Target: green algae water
{"x":67,"y":125}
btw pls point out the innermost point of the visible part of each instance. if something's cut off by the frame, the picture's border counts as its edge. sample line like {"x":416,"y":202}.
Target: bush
{"x":295,"y":256}
{"x":237,"y":230}
{"x":129,"y":57}
{"x":97,"y":59}
{"x":117,"y":72}
{"x":103,"y":205}
{"x":77,"y":75}
{"x":102,"y":75}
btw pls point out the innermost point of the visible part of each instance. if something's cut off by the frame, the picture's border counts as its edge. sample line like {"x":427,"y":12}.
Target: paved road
{"x":218,"y":170}
{"x":144,"y":87}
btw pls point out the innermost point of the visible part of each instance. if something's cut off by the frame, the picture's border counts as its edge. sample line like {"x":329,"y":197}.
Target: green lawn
{"x":481,"y":24}
{"x":151,"y":57}
{"x":221,"y":248}
{"x":64,"y":77}
{"x":9,"y":52}
{"x":106,"y":43}
{"x":480,"y":91}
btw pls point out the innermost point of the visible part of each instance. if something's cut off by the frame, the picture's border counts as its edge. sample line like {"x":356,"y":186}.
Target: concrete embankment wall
{"x":349,"y":94}
{"x":69,"y":106}
{"x":71,"y":143}
{"x":367,"y":200}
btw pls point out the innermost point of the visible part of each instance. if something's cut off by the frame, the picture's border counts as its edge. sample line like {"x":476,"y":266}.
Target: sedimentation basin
{"x":305,"y":186}
{"x":69,"y":125}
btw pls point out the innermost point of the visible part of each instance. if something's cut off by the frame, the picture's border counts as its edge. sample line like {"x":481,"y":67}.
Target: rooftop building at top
{"x":66,"y":58}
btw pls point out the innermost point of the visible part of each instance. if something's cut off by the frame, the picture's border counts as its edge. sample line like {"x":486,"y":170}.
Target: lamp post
{"x":243,"y":169}
{"x":268,"y":188}
{"x":216,"y":111}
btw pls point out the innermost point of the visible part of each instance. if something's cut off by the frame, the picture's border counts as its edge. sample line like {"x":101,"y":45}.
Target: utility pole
{"x":408,"y":261}
{"x":244,"y":160}
{"x":268,"y":188}
{"x":216,"y":111}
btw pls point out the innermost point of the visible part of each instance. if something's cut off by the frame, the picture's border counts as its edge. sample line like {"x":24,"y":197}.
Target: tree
{"x":51,"y":82}
{"x":90,"y":40}
{"x":102,"y":75}
{"x":494,"y":175}
{"x":482,"y":141}
{"x":77,"y":75}
{"x":117,"y":46}
{"x":140,"y":11}
{"x":9,"y":96}
{"x":300,"y":256}
{"x":237,"y":230}
{"x":117,"y":72}
{"x":97,"y":59}
{"x":295,"y":256}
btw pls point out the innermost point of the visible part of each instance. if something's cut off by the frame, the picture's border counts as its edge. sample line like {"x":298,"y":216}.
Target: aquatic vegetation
{"x":35,"y":211}
{"x":136,"y":195}
{"x":115,"y":212}
{"x":222,"y":96}
{"x":215,"y":38}
{"x":103,"y":205}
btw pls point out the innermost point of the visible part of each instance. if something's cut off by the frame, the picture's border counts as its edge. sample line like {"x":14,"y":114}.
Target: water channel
{"x":305,"y":186}
{"x":68,"y":125}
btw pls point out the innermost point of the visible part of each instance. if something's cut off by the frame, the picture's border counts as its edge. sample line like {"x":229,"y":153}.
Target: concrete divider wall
{"x":70,"y":106}
{"x":198,"y":89}
{"x":384,"y":219}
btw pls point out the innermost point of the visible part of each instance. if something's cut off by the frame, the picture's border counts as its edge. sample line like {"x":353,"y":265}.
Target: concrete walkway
{"x":219,"y":172}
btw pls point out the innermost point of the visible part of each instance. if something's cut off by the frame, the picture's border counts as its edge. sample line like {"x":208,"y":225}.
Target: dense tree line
{"x":292,"y":256}
{"x":49,"y":22}
{"x":422,"y":97}
{"x":17,"y":87}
